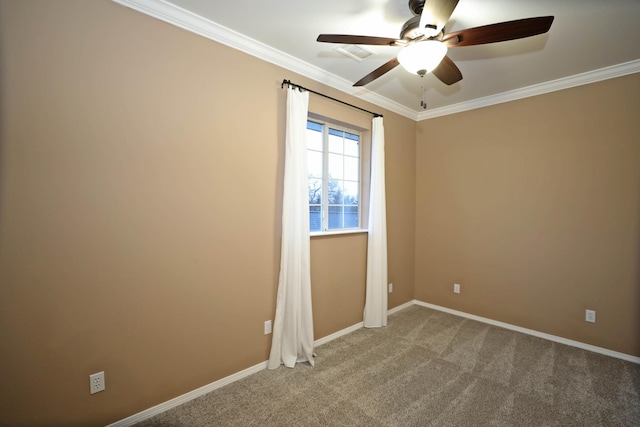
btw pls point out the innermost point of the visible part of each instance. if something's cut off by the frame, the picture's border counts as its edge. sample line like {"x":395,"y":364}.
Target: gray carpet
{"x":428,"y":368}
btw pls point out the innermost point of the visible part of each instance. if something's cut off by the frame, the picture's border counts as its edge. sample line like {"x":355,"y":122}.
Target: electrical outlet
{"x":96,"y":382}
{"x":456,"y":288}
{"x":390,"y":287}
{"x":590,"y":316}
{"x":267,"y":327}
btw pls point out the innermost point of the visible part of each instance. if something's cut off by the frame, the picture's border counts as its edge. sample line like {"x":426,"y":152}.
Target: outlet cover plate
{"x":456,"y":288}
{"x":590,"y":316}
{"x":96,"y":382}
{"x":267,"y":327}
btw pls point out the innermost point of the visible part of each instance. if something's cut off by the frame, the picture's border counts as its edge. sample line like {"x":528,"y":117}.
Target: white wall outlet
{"x":96,"y":382}
{"x":456,"y":288}
{"x":390,"y":287}
{"x":590,"y":316}
{"x":267,"y":327}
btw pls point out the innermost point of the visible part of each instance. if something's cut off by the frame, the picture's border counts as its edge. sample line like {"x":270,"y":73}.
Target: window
{"x":333,"y":155}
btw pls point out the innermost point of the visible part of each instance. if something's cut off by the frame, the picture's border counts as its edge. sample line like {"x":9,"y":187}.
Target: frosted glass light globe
{"x":424,"y":55}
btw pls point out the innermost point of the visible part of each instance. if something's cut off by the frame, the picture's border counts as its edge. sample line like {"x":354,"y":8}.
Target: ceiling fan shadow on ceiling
{"x":425,"y":44}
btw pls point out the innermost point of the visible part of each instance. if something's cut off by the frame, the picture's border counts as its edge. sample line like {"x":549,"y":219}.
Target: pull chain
{"x":423,"y":101}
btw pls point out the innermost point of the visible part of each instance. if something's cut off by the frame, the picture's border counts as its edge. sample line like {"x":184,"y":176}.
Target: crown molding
{"x":191,"y":22}
{"x":539,"y":89}
{"x":172,"y":14}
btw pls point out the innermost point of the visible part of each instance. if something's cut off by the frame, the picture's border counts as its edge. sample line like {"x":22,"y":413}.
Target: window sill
{"x":338,"y":232}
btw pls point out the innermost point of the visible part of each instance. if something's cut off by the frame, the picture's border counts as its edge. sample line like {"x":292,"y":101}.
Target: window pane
{"x":314,"y":163}
{"x":336,"y":217}
{"x":351,"y":136}
{"x":351,"y":148}
{"x":336,"y":166}
{"x":335,"y":192}
{"x":335,"y":143}
{"x":351,"y":217}
{"x":314,"y":140}
{"x":314,"y":126}
{"x":315,"y":218}
{"x":351,"y":168}
{"x":350,"y":193}
{"x":314,"y":136}
{"x":336,"y":132}
{"x":333,"y":158}
{"x":315,"y":191}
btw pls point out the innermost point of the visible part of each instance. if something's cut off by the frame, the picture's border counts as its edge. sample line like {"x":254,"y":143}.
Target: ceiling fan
{"x":425,"y":44}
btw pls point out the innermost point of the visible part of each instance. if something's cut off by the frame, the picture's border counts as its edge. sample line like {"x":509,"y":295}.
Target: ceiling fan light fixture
{"x":422,"y":57}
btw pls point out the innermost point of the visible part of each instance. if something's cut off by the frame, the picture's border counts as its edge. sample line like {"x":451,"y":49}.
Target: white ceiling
{"x":589,"y":40}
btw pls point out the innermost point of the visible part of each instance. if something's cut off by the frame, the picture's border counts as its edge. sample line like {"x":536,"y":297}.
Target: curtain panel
{"x":375,"y":309}
{"x":292,"y":339}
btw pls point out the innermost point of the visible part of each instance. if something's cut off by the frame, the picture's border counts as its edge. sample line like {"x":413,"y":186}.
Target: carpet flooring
{"x":428,"y":368}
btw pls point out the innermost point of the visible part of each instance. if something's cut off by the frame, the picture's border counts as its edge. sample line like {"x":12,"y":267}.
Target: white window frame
{"x":324,"y":205}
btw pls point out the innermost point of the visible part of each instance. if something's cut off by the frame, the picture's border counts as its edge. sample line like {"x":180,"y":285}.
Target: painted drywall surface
{"x":140,"y":212}
{"x":340,"y":304}
{"x":534,"y":208}
{"x":400,"y":175}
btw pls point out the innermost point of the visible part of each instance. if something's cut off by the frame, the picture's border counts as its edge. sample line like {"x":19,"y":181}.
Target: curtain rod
{"x":288,"y":82}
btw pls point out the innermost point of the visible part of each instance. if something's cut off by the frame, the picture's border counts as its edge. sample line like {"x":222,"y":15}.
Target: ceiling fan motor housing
{"x":411,"y":29}
{"x":416,"y":6}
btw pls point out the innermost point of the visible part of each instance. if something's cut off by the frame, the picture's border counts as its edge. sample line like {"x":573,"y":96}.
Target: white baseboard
{"x":538,"y":334}
{"x":357,"y":326}
{"x":169,"y":404}
{"x":158,"y":409}
{"x":338,"y":334}
{"x":401,"y":307}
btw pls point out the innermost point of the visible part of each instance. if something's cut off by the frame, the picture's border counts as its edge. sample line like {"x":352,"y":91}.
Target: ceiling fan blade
{"x":349,"y":39}
{"x":436,"y":13}
{"x":378,"y":72}
{"x":502,"y":31}
{"x":447,"y":71}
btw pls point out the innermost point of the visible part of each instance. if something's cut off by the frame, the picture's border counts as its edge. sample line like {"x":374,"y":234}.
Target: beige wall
{"x":140,"y":207}
{"x":533,"y":206}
